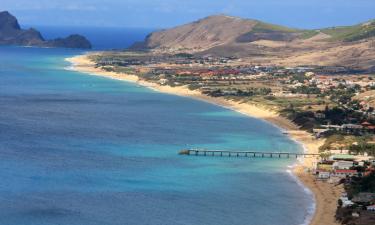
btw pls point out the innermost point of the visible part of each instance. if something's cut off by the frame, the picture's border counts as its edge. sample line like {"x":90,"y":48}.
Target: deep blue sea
{"x":77,"y":149}
{"x":101,"y":38}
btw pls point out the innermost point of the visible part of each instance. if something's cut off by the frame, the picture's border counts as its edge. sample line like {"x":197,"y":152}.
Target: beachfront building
{"x":345,"y":173}
{"x":371,"y":208}
{"x":345,"y":201}
{"x":343,"y":165}
{"x":323,"y":175}
{"x":342,"y":157}
{"x":365,"y":198}
{"x":339,"y":151}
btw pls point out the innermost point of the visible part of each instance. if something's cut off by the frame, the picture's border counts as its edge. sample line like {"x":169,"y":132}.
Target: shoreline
{"x":325,"y":194}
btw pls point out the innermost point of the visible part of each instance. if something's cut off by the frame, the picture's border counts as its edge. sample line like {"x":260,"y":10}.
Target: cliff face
{"x":12,"y":34}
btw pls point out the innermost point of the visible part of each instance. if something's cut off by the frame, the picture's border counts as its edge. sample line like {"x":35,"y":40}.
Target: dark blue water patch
{"x":101,"y":38}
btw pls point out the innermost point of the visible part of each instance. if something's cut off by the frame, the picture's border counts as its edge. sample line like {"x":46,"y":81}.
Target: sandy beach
{"x":326,"y":195}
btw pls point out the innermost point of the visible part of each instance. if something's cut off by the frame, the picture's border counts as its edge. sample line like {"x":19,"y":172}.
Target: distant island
{"x":12,"y":34}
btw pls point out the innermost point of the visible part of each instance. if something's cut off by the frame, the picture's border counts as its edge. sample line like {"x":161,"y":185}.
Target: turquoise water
{"x":77,"y":149}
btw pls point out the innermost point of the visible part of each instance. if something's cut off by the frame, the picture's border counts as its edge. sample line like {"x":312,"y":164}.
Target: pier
{"x":247,"y":154}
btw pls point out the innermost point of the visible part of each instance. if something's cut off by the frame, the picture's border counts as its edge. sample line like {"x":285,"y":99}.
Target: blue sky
{"x":168,"y":13}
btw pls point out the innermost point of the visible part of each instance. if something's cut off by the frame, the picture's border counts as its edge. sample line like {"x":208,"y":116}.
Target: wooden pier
{"x":247,"y":154}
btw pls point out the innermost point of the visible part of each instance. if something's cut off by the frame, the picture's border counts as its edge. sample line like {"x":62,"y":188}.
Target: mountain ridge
{"x":217,"y":30}
{"x":256,"y":41}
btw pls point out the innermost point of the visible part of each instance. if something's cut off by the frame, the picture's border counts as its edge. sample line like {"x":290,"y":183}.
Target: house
{"x":366,"y":124}
{"x":345,"y":201}
{"x":370,"y":129}
{"x":342,"y":165}
{"x":351,"y":128}
{"x":320,"y":115}
{"x":355,"y":214}
{"x":163,"y":81}
{"x":364,"y":198}
{"x":325,"y":166}
{"x":332,"y":127}
{"x":370,"y":208}
{"x":339,"y":151}
{"x":345,"y":173}
{"x":322,"y":174}
{"x":342,"y":157}
{"x":319,"y":132}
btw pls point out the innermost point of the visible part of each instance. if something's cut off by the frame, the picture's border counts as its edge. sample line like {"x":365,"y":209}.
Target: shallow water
{"x":77,"y":149}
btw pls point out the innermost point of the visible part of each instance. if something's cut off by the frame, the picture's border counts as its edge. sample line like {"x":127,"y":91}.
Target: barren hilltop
{"x":265,"y":43}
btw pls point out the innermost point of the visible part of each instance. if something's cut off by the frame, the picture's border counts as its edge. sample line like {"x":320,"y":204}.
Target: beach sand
{"x":325,"y":194}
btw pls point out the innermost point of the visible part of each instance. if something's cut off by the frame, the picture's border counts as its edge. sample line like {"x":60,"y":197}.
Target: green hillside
{"x":267,"y":27}
{"x":351,"y":33}
{"x":308,"y":34}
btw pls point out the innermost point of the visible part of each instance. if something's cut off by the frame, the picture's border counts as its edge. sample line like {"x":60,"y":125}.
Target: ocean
{"x":77,"y":149}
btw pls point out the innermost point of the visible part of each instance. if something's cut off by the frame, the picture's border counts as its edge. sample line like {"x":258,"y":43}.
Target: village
{"x":357,"y":173}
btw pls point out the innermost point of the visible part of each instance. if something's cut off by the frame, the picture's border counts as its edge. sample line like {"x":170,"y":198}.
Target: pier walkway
{"x":248,"y":154}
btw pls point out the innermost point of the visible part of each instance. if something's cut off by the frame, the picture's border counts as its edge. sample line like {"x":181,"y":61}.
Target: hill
{"x":351,"y":33}
{"x":12,"y":34}
{"x":214,"y":31}
{"x":266,"y":43}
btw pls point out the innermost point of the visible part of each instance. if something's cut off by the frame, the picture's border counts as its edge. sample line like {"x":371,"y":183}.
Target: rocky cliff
{"x":12,"y":34}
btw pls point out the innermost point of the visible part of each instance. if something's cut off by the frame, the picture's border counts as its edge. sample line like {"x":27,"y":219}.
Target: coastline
{"x":325,"y":194}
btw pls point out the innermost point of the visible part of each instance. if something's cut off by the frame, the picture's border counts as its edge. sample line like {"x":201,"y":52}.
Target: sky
{"x":169,"y":13}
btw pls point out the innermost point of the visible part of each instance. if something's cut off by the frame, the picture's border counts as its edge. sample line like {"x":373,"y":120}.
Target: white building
{"x":346,"y":202}
{"x":342,"y":165}
{"x":324,"y":175}
{"x":370,"y":208}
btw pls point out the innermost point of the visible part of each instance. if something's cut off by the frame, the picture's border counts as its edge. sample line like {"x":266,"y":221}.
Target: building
{"x":320,"y":115}
{"x":323,"y":174}
{"x":364,"y":198}
{"x":325,"y":165}
{"x":342,"y":165}
{"x":352,"y":128}
{"x":345,"y":173}
{"x":345,"y":201}
{"x":370,"y":208}
{"x":343,"y":157}
{"x":339,"y":151}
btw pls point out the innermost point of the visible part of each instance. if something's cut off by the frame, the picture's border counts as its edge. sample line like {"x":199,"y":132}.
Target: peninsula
{"x":317,"y":85}
{"x":12,"y":34}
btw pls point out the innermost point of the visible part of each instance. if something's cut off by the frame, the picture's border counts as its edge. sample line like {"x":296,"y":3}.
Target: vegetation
{"x":267,"y":27}
{"x":363,"y":146}
{"x":183,"y":55}
{"x":238,"y":92}
{"x":309,"y":34}
{"x":356,"y":144}
{"x":338,"y":141}
{"x":306,"y":90}
{"x":361,"y":184}
{"x":351,"y":33}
